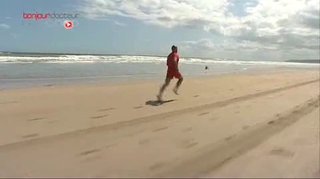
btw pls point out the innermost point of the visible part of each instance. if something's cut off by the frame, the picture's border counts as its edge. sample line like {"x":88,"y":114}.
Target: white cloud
{"x":4,"y":26}
{"x":277,"y":27}
{"x":244,"y":50}
{"x":119,"y":23}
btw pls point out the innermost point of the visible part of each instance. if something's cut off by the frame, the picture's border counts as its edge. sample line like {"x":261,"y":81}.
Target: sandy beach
{"x":245,"y":125}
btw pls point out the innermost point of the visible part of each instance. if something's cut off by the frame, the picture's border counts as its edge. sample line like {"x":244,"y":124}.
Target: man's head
{"x":174,"y":49}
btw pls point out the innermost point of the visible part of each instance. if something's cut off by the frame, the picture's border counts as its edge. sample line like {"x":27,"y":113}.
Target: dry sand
{"x":257,"y":125}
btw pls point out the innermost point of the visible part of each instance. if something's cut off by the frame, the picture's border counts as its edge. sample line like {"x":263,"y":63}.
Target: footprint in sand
{"x":144,"y":141}
{"x":87,"y":152}
{"x":245,"y":127}
{"x":110,"y":145}
{"x":157,"y":165}
{"x":282,"y":152}
{"x":36,"y":119}
{"x":99,"y":117}
{"x":205,"y":113}
{"x":107,"y":109}
{"x":160,"y":129}
{"x":192,"y":145}
{"x":230,"y":137}
{"x":271,"y":122}
{"x":187,"y":143}
{"x":278,"y":115}
{"x":30,"y":135}
{"x":90,"y":155}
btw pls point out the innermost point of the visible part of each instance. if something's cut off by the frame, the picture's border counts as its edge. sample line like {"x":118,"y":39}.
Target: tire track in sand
{"x":162,"y":116}
{"x":216,"y":155}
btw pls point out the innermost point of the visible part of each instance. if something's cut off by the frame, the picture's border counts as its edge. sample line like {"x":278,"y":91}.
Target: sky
{"x":230,"y":29}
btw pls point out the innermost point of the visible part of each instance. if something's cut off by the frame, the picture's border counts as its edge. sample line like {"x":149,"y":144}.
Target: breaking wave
{"x":134,"y":59}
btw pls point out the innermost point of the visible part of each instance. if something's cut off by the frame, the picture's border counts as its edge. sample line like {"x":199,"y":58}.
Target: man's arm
{"x":176,"y":63}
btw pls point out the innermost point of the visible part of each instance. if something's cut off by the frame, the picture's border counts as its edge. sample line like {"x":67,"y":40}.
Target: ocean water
{"x":17,"y":71}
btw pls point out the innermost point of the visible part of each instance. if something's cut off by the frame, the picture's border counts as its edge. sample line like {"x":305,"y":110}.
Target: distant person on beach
{"x":206,"y":70}
{"x":172,"y":72}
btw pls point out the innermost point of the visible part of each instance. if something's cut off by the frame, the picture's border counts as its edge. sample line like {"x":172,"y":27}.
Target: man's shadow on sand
{"x":158,"y":103}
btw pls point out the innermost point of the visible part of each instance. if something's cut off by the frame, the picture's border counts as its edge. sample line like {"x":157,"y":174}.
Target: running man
{"x":172,"y":72}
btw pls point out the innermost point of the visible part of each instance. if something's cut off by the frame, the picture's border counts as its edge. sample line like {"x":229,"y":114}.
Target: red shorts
{"x":173,"y":74}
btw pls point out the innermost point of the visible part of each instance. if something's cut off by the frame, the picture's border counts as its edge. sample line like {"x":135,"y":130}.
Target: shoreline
{"x":110,"y":80}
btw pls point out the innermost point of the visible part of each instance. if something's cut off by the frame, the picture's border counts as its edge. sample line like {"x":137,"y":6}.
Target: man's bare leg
{"x":175,"y":89}
{"x":163,"y":87}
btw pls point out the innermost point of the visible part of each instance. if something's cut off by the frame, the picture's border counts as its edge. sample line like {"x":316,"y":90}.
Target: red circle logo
{"x":68,"y":24}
